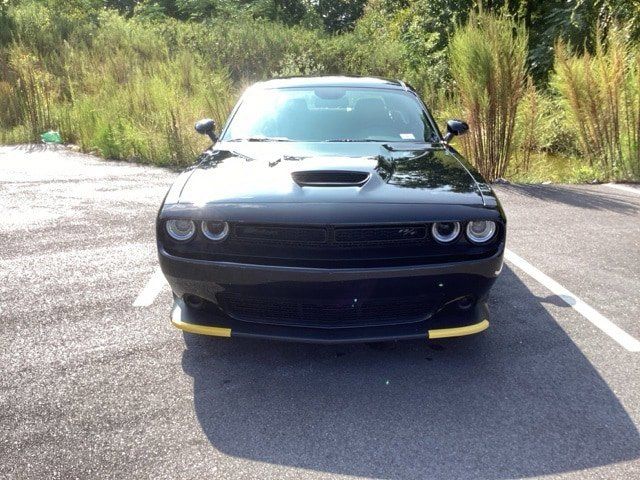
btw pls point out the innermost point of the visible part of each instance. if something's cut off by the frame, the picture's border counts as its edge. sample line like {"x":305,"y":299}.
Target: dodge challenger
{"x":331,"y":209}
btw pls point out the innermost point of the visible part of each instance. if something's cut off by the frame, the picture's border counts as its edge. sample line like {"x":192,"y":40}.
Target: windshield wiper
{"x":406,"y":146}
{"x":260,"y":139}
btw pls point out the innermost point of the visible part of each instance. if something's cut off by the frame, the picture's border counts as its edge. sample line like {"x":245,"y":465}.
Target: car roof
{"x":331,"y":81}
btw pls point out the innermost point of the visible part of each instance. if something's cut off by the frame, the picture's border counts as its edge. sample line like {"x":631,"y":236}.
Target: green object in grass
{"x":51,"y":137}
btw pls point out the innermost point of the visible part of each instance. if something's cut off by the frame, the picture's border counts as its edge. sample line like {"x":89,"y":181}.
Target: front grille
{"x":400,"y":233}
{"x":333,"y":237}
{"x":326,"y":314}
{"x":278,"y":234}
{"x":333,"y":246}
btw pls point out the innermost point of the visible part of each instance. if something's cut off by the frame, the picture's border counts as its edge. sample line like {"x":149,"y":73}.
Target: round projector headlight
{"x":181,"y":230}
{"x":445,"y":232}
{"x":481,"y":231}
{"x":215,"y":231}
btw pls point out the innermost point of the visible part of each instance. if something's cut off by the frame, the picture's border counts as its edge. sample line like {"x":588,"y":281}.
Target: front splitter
{"x":442,"y":325}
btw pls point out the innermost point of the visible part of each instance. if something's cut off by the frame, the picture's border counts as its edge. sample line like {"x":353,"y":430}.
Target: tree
{"x":340,"y":15}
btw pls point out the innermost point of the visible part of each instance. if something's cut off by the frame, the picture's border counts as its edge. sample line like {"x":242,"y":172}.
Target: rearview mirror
{"x":207,"y":126}
{"x":455,"y":127}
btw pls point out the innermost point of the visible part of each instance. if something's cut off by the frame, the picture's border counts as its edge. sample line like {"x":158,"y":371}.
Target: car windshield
{"x":330,"y":114}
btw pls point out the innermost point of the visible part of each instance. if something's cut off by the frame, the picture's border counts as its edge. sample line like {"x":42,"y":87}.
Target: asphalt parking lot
{"x":93,"y":386}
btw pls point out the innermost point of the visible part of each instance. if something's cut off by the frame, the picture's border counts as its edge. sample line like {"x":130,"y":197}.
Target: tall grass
{"x":601,"y":94}
{"x":116,"y":87}
{"x":488,"y":56}
{"x":132,"y":88}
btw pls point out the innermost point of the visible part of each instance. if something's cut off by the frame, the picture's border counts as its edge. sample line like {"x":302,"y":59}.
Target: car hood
{"x":270,"y":172}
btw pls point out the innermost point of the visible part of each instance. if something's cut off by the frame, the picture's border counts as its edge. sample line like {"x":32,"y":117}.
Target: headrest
{"x":295,"y":105}
{"x":370,"y":106}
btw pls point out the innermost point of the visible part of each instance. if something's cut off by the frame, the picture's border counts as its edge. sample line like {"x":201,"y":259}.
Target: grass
{"x":551,"y":168}
{"x":121,"y":91}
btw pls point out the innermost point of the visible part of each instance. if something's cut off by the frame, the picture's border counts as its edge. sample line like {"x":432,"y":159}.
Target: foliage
{"x":339,"y":15}
{"x":425,"y":27}
{"x":302,"y":64}
{"x":575,"y":22}
{"x":253,"y":49}
{"x":488,"y":57}
{"x":119,"y":91}
{"x":127,"y":78}
{"x":601,"y":96}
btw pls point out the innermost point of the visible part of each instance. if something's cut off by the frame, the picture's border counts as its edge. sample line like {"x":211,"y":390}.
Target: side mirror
{"x":207,"y":127}
{"x":455,"y":127}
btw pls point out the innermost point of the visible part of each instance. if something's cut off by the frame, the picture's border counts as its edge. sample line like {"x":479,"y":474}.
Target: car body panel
{"x":332,"y":81}
{"x":242,"y":172}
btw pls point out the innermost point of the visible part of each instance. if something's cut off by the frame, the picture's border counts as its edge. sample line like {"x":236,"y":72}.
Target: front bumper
{"x":201,"y":323}
{"x":445,"y":283}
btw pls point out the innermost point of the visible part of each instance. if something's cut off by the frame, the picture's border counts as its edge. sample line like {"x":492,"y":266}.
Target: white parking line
{"x":624,"y":188}
{"x":151,"y":289}
{"x":623,"y":338}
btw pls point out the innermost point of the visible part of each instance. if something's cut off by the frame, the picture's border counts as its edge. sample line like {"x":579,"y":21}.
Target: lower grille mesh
{"x":318,"y":313}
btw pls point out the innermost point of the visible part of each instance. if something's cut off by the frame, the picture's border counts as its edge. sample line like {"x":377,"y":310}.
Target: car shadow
{"x":557,"y":300}
{"x":573,"y":196}
{"x":519,"y":400}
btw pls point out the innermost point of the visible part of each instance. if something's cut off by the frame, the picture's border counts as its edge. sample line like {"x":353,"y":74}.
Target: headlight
{"x":181,"y":230}
{"x":481,"y":231}
{"x":215,"y":231}
{"x":445,"y":232}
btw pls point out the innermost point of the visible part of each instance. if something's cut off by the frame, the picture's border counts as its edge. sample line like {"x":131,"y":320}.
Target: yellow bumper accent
{"x":458,"y":331}
{"x":437,"y":333}
{"x":201,"y":329}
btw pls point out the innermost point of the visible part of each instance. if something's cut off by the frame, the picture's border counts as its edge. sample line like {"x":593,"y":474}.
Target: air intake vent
{"x":330,"y":178}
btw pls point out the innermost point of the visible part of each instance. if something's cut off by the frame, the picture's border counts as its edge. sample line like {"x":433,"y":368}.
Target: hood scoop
{"x":330,"y":178}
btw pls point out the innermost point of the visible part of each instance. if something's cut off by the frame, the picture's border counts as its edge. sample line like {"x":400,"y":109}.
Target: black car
{"x":331,"y":209}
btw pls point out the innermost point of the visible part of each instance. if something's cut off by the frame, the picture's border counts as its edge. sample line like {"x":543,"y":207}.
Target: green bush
{"x":587,"y":174}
